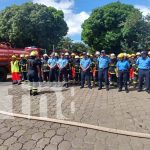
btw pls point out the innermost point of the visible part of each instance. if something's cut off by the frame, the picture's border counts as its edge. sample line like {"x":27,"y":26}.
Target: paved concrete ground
{"x":110,"y":109}
{"x":22,"y":134}
{"x":129,"y":112}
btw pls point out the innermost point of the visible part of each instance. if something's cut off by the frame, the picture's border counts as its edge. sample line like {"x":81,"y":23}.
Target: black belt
{"x":103,"y":68}
{"x":123,"y":70}
{"x":144,"y":69}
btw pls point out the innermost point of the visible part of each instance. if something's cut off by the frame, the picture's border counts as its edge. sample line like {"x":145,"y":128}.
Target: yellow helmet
{"x":149,"y":53}
{"x":133,"y":55}
{"x":81,"y":57}
{"x":13,"y":56}
{"x":91,"y":55}
{"x":33,"y":53}
{"x":128,"y":55}
{"x":121,"y":55}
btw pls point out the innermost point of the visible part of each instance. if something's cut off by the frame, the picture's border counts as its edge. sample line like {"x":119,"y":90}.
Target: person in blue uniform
{"x":52,"y":62}
{"x":33,"y":73}
{"x":103,"y":65}
{"x":123,"y":67}
{"x":85,"y":64}
{"x":62,"y":65}
{"x":143,"y":63}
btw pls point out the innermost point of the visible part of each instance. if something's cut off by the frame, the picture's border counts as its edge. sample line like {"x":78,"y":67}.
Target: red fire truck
{"x":6,"y":52}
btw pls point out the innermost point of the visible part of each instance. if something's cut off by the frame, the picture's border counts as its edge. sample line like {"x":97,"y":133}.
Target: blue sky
{"x":76,"y":11}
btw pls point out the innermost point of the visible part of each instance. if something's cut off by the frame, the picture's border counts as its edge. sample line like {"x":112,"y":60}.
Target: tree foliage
{"x":32,"y":24}
{"x":116,"y":27}
{"x":67,"y":44}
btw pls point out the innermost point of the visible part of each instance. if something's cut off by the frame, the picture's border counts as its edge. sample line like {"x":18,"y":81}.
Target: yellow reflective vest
{"x":15,"y":66}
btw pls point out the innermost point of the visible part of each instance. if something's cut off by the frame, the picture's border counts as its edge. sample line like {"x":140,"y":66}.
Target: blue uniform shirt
{"x":52,"y":62}
{"x":85,"y":62}
{"x":123,"y":65}
{"x":103,"y":62}
{"x":143,"y":63}
{"x":62,"y":62}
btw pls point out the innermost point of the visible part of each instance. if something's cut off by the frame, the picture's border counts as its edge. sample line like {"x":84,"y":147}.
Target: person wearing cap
{"x":45,"y":68}
{"x":123,"y":67}
{"x":103,"y":65}
{"x":143,"y":63}
{"x":62,"y":65}
{"x":85,"y":64}
{"x":52,"y":63}
{"x":23,"y":67}
{"x":15,"y":70}
{"x":33,"y":73}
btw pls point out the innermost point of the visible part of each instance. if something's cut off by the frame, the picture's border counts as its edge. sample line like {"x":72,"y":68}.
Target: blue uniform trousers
{"x":85,"y":75}
{"x":144,"y":74}
{"x":33,"y":80}
{"x":63,"y":75}
{"x":24,"y":76}
{"x":123,"y":79}
{"x":53,"y":75}
{"x":103,"y":74}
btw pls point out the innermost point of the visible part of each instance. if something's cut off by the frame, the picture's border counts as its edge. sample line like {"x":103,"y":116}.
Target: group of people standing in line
{"x":97,"y":70}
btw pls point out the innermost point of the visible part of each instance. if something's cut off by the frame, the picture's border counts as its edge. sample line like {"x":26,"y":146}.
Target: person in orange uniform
{"x":15,"y":70}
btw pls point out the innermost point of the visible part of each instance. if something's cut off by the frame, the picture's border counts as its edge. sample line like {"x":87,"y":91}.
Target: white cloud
{"x":74,"y":20}
{"x":145,"y":10}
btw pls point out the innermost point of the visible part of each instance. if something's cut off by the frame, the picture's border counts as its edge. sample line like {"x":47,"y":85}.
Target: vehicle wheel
{"x":3,"y":74}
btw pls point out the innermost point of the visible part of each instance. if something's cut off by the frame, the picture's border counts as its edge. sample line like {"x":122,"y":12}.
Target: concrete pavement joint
{"x":99,"y":128}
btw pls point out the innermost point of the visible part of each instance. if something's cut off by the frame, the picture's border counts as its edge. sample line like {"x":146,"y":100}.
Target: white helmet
{"x":45,"y":55}
{"x":97,"y":53}
{"x":138,"y":54}
{"x":76,"y":57}
{"x":87,"y":54}
{"x":56,"y":54}
{"x":112,"y":56}
{"x":66,"y":54}
{"x":22,"y":55}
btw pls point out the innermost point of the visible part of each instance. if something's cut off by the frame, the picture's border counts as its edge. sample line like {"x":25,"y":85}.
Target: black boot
{"x":119,"y":90}
{"x":66,"y":85}
{"x":127,"y":91}
{"x":31,"y":92}
{"x":35,"y":93}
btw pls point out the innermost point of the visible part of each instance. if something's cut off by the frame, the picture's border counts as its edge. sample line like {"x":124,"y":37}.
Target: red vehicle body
{"x":6,"y":52}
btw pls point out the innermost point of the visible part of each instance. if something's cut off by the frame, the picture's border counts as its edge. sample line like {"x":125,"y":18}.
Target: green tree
{"x":67,"y":44}
{"x":79,"y":47}
{"x":64,"y":44}
{"x":115,"y":27}
{"x":32,"y":24}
